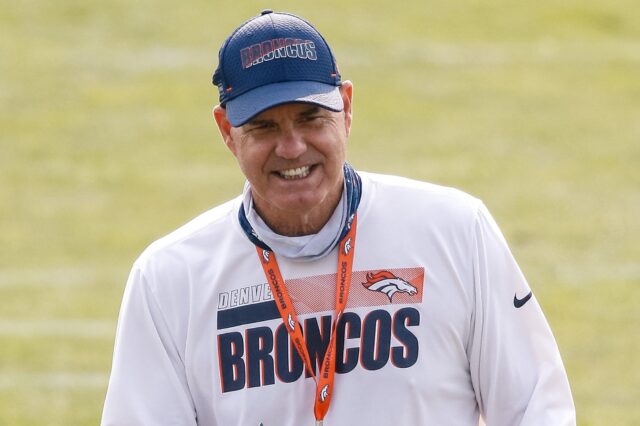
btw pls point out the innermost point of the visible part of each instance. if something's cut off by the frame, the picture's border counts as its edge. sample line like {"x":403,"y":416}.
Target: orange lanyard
{"x":324,"y":380}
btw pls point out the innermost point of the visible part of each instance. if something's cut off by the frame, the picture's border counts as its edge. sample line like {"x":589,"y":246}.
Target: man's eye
{"x":261,"y":126}
{"x":311,"y":118}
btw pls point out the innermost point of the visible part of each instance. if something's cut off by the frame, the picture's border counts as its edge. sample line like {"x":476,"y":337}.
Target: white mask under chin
{"x":306,"y":247}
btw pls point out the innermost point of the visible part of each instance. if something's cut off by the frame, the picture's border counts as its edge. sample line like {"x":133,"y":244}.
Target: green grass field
{"x":108,"y":143}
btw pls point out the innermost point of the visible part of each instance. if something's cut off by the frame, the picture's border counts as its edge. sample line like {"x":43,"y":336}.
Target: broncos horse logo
{"x":324,"y":393}
{"x":387,"y":283}
{"x":292,"y":323}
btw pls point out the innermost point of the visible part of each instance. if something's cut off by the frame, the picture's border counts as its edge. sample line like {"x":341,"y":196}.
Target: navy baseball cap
{"x":273,"y":59}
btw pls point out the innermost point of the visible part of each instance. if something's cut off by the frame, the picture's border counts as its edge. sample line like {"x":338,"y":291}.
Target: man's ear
{"x":220,"y":115}
{"x":346,"y":90}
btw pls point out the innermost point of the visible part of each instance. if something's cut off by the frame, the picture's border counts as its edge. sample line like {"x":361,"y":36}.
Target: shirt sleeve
{"x":516,"y":369}
{"x":148,"y":383}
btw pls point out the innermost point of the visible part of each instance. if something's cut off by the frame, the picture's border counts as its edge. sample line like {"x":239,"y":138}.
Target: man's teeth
{"x":298,"y":173}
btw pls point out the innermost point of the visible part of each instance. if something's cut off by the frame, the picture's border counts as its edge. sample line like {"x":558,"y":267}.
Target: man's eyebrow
{"x":312,"y":110}
{"x":258,"y":121}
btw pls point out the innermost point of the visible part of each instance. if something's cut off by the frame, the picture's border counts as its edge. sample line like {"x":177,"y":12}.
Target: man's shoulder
{"x":419,"y":193}
{"x":210,"y":225}
{"x":394,"y":202}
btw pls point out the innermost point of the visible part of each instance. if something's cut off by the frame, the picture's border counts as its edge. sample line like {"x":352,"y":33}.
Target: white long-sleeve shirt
{"x":440,"y":342}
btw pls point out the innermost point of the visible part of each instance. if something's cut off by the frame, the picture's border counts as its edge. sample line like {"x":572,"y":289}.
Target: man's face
{"x":292,"y":155}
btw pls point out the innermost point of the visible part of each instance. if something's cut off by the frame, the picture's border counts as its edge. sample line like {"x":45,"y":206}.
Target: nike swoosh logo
{"x":519,"y":303}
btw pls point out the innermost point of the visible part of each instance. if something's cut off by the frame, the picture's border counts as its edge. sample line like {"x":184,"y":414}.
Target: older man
{"x":323,"y":294}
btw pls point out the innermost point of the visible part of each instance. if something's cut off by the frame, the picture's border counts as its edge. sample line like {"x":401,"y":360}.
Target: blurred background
{"x":107,"y":143}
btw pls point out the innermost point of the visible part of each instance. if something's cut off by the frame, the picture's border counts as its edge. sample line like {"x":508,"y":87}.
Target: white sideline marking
{"x":53,"y":380}
{"x":58,"y":276}
{"x":499,"y":53}
{"x":58,"y":327}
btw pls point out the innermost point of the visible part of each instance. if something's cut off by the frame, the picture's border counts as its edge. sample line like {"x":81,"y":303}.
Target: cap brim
{"x":248,"y":105}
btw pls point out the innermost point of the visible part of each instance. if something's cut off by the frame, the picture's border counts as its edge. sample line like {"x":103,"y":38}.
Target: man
{"x":323,"y":294}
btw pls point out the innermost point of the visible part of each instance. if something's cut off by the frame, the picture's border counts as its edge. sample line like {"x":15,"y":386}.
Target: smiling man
{"x":293,"y":157}
{"x":322,"y":295}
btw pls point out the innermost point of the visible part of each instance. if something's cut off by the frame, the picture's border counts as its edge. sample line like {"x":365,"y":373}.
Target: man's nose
{"x":291,"y":144}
